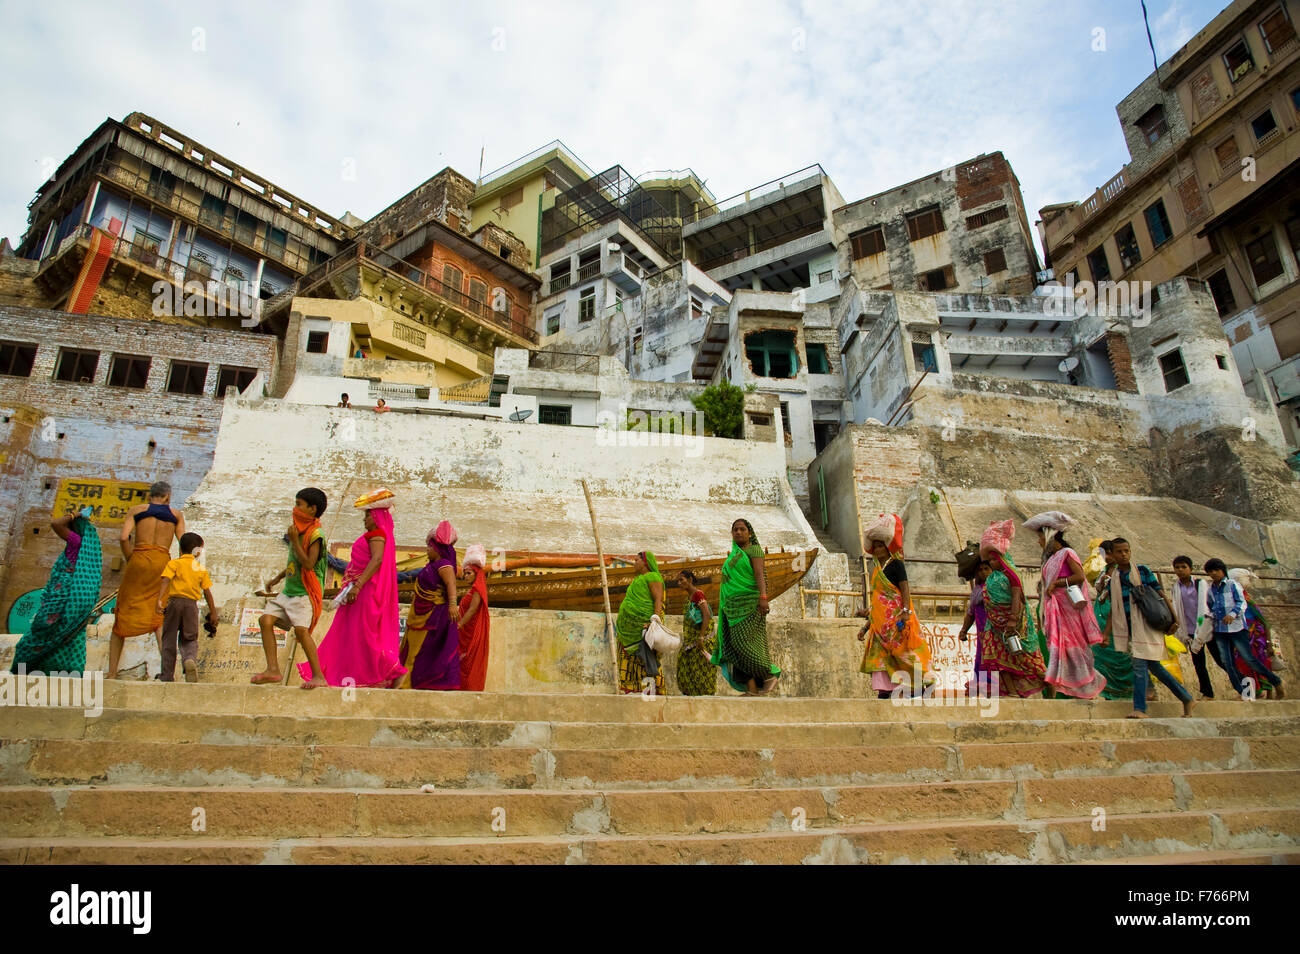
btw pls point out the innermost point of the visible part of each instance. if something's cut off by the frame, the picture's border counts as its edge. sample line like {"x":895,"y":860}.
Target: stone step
{"x":229,"y":812}
{"x":1253,"y":856}
{"x":608,"y":707}
{"x":116,"y":762}
{"x":1153,"y":838}
{"x":148,"y":725}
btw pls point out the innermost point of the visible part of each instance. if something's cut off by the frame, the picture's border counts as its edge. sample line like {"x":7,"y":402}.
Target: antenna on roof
{"x":481,"y":151}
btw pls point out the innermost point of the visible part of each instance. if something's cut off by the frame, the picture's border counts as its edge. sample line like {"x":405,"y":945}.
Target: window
{"x":1293,"y":232}
{"x":1263,"y":124}
{"x":555,"y":414}
{"x":1098,"y":265}
{"x":1227,"y":155}
{"x":587,"y":304}
{"x":1153,"y":124}
{"x":129,"y":371}
{"x":824,"y":432}
{"x":212,"y":211}
{"x":161,"y":185}
{"x":1222,"y":361}
{"x":1238,"y":60}
{"x":318,"y":342}
{"x":1158,"y":223}
{"x":1127,"y":243}
{"x":1265,"y":264}
{"x":771,"y":354}
{"x":512,"y":198}
{"x":995,"y":261}
{"x":553,"y":324}
{"x":785,"y":416}
{"x":1173,"y":369}
{"x":186,"y":377}
{"x":824,"y":277}
{"x":1286,"y":335}
{"x":1221,"y":289}
{"x":818,"y":362}
{"x":868,"y":242}
{"x":697,"y":307}
{"x":927,"y":221}
{"x":452,"y":279}
{"x":923,"y":357}
{"x":478,"y":290}
{"x":987,"y":217}
{"x":76,"y":366}
{"x":277,"y":239}
{"x":504,"y":252}
{"x":230,"y":376}
{"x":937,"y":280}
{"x":17,"y":358}
{"x":1295,"y":99}
{"x":1276,"y":30}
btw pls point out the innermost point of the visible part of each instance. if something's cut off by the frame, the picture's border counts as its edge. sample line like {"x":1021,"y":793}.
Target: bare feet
{"x":1277,"y":690}
{"x":1188,"y":706}
{"x":266,"y":678}
{"x":769,"y":684}
{"x":316,"y":682}
{"x":1135,"y":714}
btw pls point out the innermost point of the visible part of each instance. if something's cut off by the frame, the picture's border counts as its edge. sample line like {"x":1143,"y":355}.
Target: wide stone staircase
{"x":238,"y":774}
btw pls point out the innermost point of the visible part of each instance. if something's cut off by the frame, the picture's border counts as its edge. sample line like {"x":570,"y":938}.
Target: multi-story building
{"x":960,"y":229}
{"x":513,"y":196}
{"x":139,"y":203}
{"x":1212,"y":191}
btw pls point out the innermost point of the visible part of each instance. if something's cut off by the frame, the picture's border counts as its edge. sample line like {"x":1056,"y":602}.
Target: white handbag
{"x":660,"y":639}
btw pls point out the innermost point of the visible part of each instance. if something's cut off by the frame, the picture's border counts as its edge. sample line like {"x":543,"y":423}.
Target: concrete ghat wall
{"x":509,"y":486}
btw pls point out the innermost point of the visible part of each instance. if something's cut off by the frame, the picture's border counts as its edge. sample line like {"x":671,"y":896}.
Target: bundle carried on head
{"x":476,"y":555}
{"x":998,"y":535}
{"x":1049,"y":520}
{"x":1243,"y":577}
{"x":887,"y":528}
{"x":381,"y":499}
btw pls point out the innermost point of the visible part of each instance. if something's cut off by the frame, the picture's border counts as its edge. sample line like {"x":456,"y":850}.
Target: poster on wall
{"x":109,"y":500}
{"x":250,"y":632}
{"x":952,"y":659}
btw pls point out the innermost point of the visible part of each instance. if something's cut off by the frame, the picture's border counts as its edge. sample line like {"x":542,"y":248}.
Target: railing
{"x":750,"y":195}
{"x":407,"y":273}
{"x":559,"y":283}
{"x":738,"y":252}
{"x":537,"y":153}
{"x":573,"y":362}
{"x":590,"y":270}
{"x":172,"y":197}
{"x":1101,"y":198}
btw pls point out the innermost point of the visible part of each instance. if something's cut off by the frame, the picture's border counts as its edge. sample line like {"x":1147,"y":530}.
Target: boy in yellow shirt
{"x":183,"y":581}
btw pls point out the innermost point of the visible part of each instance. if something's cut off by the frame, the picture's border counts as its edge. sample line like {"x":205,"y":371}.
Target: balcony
{"x":396,"y":281}
{"x":625,"y":273}
{"x":589,"y":271}
{"x":559,"y":283}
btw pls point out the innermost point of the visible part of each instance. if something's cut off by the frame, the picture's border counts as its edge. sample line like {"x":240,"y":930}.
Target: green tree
{"x":723,"y":407}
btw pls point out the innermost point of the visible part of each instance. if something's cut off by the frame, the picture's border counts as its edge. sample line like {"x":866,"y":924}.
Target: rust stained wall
{"x":95,"y":430}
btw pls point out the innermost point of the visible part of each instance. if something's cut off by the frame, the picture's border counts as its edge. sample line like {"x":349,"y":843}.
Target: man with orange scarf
{"x":299,"y":604}
{"x":897,"y":656}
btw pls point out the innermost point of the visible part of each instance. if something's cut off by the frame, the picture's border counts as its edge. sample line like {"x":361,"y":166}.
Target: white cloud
{"x":743,"y":93}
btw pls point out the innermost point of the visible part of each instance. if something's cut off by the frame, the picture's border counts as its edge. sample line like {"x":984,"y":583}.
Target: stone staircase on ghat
{"x":238,"y":774}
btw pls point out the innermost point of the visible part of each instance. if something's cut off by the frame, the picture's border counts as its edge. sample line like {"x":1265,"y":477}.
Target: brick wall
{"x":493,"y":238}
{"x":16,"y":285}
{"x":52,"y":430}
{"x":1121,"y":362}
{"x":445,"y":197}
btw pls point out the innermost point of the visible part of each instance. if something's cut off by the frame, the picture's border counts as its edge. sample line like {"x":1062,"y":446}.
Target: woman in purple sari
{"x":432,"y":645}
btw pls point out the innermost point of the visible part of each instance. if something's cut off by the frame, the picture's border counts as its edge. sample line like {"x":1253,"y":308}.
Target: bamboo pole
{"x":604,"y":584}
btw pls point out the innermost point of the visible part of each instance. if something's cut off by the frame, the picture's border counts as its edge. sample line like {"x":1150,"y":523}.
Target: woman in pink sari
{"x":1070,"y":627}
{"x":361,"y":646}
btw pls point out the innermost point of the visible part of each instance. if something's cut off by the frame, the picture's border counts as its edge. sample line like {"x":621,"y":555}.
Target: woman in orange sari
{"x":474,"y":622}
{"x":896,"y":652}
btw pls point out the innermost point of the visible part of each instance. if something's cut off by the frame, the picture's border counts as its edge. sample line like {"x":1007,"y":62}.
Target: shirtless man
{"x":155,"y":525}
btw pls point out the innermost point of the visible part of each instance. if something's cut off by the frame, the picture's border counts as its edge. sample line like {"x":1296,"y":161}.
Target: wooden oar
{"x":604,"y":585}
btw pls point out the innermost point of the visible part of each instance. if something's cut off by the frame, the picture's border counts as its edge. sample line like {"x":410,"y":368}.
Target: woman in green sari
{"x":742,"y":649}
{"x":1116,"y":666}
{"x":56,"y":639}
{"x":638,"y":664}
{"x":1014,"y":648}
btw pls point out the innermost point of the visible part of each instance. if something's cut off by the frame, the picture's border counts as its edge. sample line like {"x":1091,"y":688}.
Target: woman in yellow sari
{"x":896,"y":652}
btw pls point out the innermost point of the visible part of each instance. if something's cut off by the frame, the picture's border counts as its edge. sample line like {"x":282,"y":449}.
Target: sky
{"x":351,"y":105}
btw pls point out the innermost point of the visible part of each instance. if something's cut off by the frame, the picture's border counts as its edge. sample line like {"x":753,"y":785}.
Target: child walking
{"x":299,"y":603}
{"x":183,"y":581}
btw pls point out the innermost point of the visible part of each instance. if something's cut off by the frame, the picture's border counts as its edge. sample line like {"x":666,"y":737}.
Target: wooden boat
{"x":579,"y":590}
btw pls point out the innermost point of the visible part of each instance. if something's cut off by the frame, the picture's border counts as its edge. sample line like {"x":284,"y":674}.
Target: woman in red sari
{"x":474,"y":621}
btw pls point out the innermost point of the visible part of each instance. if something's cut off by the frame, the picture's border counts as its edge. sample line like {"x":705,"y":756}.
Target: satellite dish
{"x":1068,"y":365}
{"x":521,"y":415}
